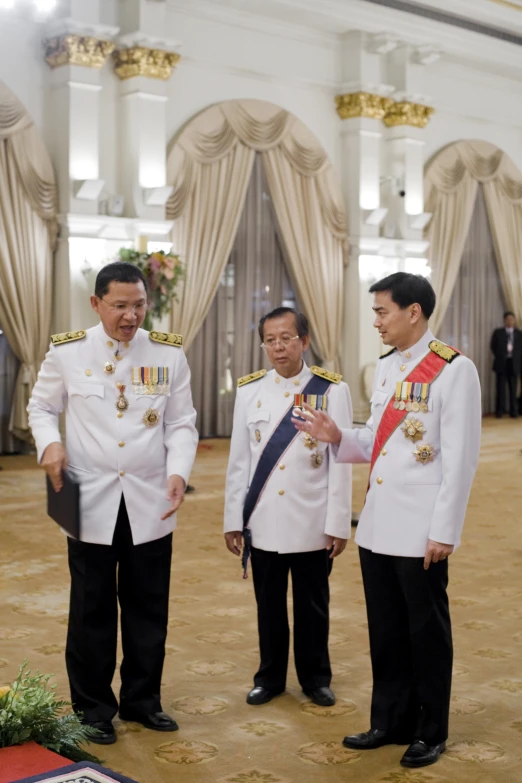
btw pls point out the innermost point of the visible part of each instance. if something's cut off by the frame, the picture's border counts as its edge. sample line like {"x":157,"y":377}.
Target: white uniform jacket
{"x":408,"y":501}
{"x":111,"y":454}
{"x":300,"y":504}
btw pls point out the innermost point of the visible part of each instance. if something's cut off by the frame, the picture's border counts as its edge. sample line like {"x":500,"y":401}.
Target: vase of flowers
{"x":31,"y":712}
{"x":162,"y":271}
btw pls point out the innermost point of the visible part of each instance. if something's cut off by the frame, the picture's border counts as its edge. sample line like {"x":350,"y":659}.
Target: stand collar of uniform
{"x":102,"y":336}
{"x":295,"y":381}
{"x":418,"y":350}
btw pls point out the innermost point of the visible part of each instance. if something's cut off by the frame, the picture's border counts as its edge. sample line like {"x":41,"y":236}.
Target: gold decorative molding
{"x":407,"y":113}
{"x":142,"y":61}
{"x":362,"y":104}
{"x":77,"y":50}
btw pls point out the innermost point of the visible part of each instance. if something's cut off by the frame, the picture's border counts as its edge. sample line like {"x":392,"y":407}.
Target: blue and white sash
{"x":282,"y":437}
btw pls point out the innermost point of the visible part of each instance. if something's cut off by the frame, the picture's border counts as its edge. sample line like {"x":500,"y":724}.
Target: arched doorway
{"x":251,"y":180}
{"x":474,"y":192}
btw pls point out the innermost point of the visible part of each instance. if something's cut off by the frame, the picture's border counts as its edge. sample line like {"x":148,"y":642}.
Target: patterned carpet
{"x":212,"y":644}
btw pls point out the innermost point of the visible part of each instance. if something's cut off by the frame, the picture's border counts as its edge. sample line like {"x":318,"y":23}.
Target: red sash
{"x":428,"y":369}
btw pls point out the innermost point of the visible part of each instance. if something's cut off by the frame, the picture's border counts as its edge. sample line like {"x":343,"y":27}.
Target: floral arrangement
{"x":162,"y":271}
{"x":30,"y":711}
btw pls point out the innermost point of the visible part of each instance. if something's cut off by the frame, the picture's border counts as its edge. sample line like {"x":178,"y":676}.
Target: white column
{"x":403,"y":162}
{"x":144,"y":62}
{"x":143,"y":151}
{"x":77,"y":47}
{"x":362,"y":107}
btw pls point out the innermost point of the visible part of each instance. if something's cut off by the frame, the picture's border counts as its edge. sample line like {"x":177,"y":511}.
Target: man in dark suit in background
{"x":506,"y":344}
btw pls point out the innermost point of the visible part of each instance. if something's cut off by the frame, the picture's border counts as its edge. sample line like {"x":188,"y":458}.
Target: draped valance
{"x":260,"y":126}
{"x":450,"y":188}
{"x":210,"y":165}
{"x":30,"y":157}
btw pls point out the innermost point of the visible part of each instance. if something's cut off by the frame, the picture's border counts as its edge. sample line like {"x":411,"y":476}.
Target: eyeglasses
{"x":284,"y":342}
{"x":123,"y":308}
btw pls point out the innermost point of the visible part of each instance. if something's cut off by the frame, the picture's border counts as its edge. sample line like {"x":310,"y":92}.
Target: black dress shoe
{"x":106,"y":734}
{"x":323,"y":697}
{"x":261,"y":695}
{"x":157,"y":721}
{"x":369,"y":740}
{"x":421,"y":755}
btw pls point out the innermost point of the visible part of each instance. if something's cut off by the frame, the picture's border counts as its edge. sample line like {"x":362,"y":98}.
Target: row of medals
{"x":411,"y":405}
{"x":151,"y":416}
{"x":317,"y":456}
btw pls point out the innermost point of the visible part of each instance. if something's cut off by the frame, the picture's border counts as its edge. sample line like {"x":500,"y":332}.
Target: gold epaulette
{"x":67,"y":337}
{"x":254,"y":376}
{"x":444,"y":351}
{"x":388,"y":353}
{"x":167,"y":338}
{"x":334,"y":377}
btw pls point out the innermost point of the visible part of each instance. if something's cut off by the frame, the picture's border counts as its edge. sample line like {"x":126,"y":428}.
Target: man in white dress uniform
{"x":423,"y":441}
{"x":293,"y":504}
{"x":131,"y":443}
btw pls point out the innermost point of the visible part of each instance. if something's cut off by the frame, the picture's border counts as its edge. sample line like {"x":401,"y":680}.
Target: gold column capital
{"x":407,"y":113}
{"x":362,"y":104}
{"x":70,"y":49}
{"x":142,"y":61}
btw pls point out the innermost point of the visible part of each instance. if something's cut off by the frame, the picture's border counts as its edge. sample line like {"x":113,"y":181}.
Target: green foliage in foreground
{"x":30,"y":710}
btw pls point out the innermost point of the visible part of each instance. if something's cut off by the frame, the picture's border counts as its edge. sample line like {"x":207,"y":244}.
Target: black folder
{"x":64,"y":506}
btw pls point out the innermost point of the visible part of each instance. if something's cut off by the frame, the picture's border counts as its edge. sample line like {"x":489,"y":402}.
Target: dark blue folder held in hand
{"x":64,"y":506}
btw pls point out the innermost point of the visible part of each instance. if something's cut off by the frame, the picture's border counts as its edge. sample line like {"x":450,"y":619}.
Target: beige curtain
{"x":307,"y":201}
{"x":477,"y":303}
{"x":450,"y":188}
{"x":9,"y":365}
{"x":27,"y":235}
{"x":254,"y":282}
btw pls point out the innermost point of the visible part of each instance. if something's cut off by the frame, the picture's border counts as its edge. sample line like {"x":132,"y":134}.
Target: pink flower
{"x":168,"y":273}
{"x":163,"y":289}
{"x":155,"y":265}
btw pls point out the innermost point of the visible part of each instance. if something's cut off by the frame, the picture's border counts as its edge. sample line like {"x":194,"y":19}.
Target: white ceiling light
{"x":45,"y":6}
{"x":41,"y":6}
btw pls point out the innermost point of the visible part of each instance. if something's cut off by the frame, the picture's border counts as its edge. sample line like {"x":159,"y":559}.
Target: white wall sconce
{"x":419,"y":222}
{"x":157,"y":197}
{"x":375,"y":217}
{"x":88,"y":189}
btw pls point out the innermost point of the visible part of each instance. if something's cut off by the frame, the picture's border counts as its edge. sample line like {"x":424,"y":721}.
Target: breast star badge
{"x":413,"y":429}
{"x":317,"y":459}
{"x":151,"y":417}
{"x":424,"y":453}
{"x":309,"y":441}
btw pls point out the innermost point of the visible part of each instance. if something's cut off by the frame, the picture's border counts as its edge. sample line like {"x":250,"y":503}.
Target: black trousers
{"x":509,"y":379}
{"x":311,"y":595}
{"x":410,"y":644}
{"x":138,"y":577}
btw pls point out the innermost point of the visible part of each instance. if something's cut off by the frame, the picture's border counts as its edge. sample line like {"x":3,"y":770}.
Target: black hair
{"x":117,"y":272}
{"x":301,"y":321}
{"x":407,"y":289}
{"x":508,"y":312}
